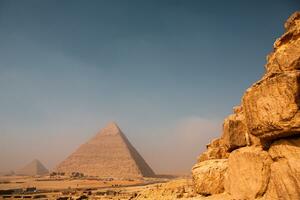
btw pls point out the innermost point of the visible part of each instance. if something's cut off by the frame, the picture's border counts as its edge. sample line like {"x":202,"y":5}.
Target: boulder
{"x":248,"y":173}
{"x":215,"y":150}
{"x":234,"y":132}
{"x":285,"y":171}
{"x":271,"y":106}
{"x":208,"y":176}
{"x":288,"y":149}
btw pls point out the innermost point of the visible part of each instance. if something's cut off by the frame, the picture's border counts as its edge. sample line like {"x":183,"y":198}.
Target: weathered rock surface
{"x":234,"y":131}
{"x":291,"y":22}
{"x":262,"y":137}
{"x":286,"y":55}
{"x":176,"y":189}
{"x":248,"y":173}
{"x":208,"y":176}
{"x":285,"y":171}
{"x":215,"y":150}
{"x":272,"y":106}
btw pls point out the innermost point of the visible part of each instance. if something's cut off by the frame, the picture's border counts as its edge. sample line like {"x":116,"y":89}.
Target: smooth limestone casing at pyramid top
{"x":109,"y":154}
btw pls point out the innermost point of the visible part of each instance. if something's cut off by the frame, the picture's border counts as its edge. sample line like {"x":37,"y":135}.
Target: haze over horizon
{"x":167,"y":72}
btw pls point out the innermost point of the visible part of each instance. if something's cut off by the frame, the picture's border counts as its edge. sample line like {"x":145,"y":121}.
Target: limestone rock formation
{"x":34,"y":168}
{"x":109,"y":154}
{"x":234,"y":132}
{"x":248,"y":173}
{"x":261,"y":140}
{"x":213,"y":172}
{"x":285,"y":170}
{"x":215,"y":150}
{"x":175,"y":189}
{"x":272,"y":106}
{"x":286,"y":55}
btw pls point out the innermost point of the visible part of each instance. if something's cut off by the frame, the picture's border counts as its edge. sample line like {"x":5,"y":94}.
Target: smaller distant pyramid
{"x":7,"y":173}
{"x":32,"y":169}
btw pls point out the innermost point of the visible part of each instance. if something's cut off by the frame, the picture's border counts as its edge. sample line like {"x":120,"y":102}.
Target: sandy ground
{"x":68,"y":188}
{"x":46,"y":183}
{"x":54,"y":188}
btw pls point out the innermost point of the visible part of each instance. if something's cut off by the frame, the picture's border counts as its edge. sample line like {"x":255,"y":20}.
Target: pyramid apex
{"x":36,"y":161}
{"x":113,"y":124}
{"x":111,"y":129}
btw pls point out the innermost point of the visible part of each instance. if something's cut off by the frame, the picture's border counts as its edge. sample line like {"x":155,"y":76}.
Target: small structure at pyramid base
{"x":34,"y":168}
{"x":109,"y":154}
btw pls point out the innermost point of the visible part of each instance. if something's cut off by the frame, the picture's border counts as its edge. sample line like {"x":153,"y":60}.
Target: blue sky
{"x":167,"y":72}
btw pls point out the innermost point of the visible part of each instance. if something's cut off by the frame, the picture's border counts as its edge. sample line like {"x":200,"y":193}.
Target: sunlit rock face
{"x":212,"y":171}
{"x":248,"y":174}
{"x":285,"y":170}
{"x":234,"y":131}
{"x":215,"y":150}
{"x":272,"y":106}
{"x":286,"y":54}
{"x":260,"y":143}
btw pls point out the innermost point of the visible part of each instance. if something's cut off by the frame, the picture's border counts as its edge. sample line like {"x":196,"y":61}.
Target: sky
{"x":167,"y":71}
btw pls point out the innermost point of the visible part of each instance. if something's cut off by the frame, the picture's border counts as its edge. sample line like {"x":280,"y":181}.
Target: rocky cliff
{"x":258,"y":153}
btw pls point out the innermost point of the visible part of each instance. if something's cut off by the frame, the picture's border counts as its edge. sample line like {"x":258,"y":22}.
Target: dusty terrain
{"x":54,"y":188}
{"x":44,"y":187}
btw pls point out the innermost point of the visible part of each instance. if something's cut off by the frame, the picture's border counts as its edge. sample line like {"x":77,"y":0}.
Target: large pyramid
{"x":34,"y":168}
{"x":108,"y":154}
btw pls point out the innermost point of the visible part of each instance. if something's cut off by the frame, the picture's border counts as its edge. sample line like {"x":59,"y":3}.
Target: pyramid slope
{"x":33,"y":168}
{"x":144,"y":168}
{"x":108,"y":154}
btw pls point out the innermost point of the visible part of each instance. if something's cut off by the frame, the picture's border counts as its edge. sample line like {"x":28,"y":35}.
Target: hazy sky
{"x":167,"y":72}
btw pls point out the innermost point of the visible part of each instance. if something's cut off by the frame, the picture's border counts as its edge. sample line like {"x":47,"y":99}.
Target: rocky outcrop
{"x":212,"y":171}
{"x":286,"y":55}
{"x":272,"y":106}
{"x":285,"y":170}
{"x":260,"y":143}
{"x":215,"y":150}
{"x":176,"y":189}
{"x":234,"y":132}
{"x":248,"y":173}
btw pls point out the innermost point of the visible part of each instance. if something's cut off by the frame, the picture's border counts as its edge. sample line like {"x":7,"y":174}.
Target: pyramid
{"x":7,"y":173}
{"x":32,"y":169}
{"x":108,"y":154}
